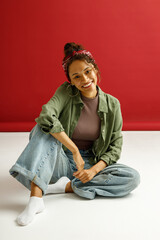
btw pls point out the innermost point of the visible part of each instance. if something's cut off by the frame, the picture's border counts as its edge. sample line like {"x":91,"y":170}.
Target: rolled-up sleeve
{"x":48,"y":119}
{"x":115,"y":147}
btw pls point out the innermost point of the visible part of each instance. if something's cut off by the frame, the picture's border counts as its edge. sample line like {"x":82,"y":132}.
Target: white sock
{"x":35,"y":205}
{"x":59,"y":186}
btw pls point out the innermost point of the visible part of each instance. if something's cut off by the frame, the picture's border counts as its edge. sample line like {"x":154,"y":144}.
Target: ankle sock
{"x":59,"y":186}
{"x":34,"y":206}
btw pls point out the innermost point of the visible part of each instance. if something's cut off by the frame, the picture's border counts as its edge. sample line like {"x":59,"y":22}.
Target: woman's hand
{"x":78,"y":160}
{"x":85,"y":175}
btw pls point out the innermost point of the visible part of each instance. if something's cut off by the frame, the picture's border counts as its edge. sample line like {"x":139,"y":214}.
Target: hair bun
{"x":70,"y":47}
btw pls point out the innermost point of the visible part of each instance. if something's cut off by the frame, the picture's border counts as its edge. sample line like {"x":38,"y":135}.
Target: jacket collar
{"x":103,"y":107}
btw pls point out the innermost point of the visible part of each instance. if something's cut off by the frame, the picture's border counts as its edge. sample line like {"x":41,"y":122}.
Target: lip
{"x":89,"y":85}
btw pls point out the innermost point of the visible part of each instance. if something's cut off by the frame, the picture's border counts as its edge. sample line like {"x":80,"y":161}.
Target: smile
{"x":87,"y":85}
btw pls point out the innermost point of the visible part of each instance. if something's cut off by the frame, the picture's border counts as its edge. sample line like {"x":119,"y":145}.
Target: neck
{"x":90,"y":95}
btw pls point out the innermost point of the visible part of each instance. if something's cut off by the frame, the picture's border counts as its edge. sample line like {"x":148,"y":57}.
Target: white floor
{"x":67,"y":216}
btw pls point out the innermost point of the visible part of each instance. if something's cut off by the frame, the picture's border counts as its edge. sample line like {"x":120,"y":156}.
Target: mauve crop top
{"x":89,"y":123}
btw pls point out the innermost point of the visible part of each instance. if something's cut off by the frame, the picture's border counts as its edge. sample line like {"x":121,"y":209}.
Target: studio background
{"x":123,"y":36}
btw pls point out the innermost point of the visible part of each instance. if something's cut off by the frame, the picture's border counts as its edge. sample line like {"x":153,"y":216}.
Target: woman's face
{"x":84,"y":76}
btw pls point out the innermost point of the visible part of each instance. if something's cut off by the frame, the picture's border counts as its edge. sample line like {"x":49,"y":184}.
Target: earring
{"x":70,"y":85}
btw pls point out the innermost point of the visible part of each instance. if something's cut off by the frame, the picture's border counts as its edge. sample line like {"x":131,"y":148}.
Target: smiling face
{"x":84,"y":76}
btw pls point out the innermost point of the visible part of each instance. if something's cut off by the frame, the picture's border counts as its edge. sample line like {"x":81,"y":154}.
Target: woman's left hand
{"x":85,"y":175}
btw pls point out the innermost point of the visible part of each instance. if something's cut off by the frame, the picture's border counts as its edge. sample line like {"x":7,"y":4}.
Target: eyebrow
{"x":82,"y":70}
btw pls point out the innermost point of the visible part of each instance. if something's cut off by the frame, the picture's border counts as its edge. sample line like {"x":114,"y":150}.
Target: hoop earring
{"x":71,"y":87}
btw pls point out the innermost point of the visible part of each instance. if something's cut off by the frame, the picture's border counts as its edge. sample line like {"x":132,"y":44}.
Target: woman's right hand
{"x":78,"y":160}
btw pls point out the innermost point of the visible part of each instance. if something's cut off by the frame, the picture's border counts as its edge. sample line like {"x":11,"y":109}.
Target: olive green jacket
{"x":62,"y":111}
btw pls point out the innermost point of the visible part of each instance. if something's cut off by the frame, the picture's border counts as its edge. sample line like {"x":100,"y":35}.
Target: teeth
{"x":87,"y":84}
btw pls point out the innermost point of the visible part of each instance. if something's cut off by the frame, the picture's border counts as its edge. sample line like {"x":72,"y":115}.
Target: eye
{"x":88,"y":71}
{"x":76,"y":77}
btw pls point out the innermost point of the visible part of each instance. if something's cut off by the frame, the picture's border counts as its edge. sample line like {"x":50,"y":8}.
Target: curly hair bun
{"x":70,"y":47}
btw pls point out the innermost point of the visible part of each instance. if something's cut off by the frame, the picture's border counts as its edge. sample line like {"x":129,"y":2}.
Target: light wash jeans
{"x":44,"y":161}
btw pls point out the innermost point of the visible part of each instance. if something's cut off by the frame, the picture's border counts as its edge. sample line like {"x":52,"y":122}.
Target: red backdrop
{"x":123,"y":36}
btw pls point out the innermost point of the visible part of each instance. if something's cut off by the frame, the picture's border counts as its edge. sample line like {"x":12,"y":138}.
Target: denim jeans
{"x":44,"y":161}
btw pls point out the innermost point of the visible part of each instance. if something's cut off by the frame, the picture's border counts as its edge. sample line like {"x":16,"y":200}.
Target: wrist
{"x":95,"y":169}
{"x":75,"y":150}
{"x":99,"y":166}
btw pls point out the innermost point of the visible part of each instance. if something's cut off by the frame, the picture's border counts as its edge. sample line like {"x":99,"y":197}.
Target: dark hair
{"x":68,"y":50}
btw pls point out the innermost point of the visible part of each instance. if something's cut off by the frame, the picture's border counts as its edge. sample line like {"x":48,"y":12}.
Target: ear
{"x":72,"y":84}
{"x":96,"y":71}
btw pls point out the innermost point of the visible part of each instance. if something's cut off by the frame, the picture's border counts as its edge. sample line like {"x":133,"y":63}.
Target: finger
{"x":78,"y":176}
{"x":76,"y":173}
{"x":84,"y":180}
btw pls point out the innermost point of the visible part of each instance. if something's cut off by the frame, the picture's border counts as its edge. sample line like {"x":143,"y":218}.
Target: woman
{"x":76,"y":142}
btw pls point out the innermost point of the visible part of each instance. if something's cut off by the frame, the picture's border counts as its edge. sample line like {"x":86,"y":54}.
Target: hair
{"x":68,"y":50}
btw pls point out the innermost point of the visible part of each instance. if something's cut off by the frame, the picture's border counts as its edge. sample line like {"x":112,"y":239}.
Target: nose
{"x":84,"y":78}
